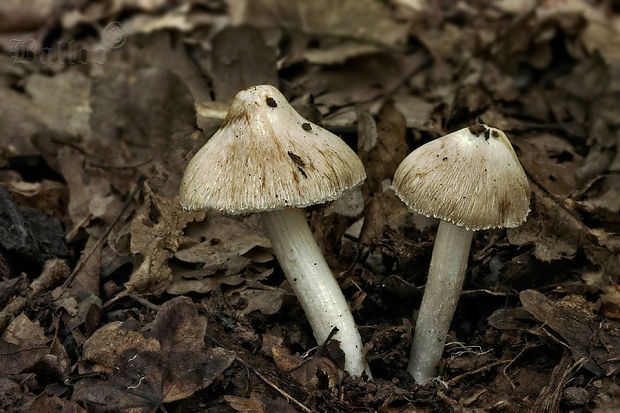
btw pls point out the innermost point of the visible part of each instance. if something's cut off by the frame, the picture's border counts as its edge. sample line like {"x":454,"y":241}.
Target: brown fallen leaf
{"x":365,"y":20}
{"x":13,"y":397}
{"x":602,"y":197}
{"x":51,"y":404}
{"x":87,"y":189}
{"x":176,"y":367}
{"x":48,"y":196}
{"x":24,"y":346}
{"x":552,"y":161}
{"x":106,"y":345}
{"x":306,"y":372}
{"x":224,"y":238}
{"x":610,"y":302}
{"x":240,"y":58}
{"x":555,"y":233}
{"x":155,"y":233}
{"x":242,"y":404}
{"x":144,"y":116}
{"x":584,"y":333}
{"x":265,"y":299}
{"x":19,"y":16}
{"x":383,"y":152}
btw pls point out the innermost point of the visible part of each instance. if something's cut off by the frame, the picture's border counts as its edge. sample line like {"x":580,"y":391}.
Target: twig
{"x":273,"y":385}
{"x":525,"y":347}
{"x":450,"y":402}
{"x":458,"y":378}
{"x":558,"y":201}
{"x":144,"y":301}
{"x":263,"y":378}
{"x":80,"y":265}
{"x":320,"y":349}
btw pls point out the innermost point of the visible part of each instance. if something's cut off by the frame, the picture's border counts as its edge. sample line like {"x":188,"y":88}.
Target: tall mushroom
{"x":472,"y":180}
{"x":267,"y":158}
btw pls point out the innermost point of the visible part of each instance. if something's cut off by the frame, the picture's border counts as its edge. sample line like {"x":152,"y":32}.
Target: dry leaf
{"x":169,"y":364}
{"x":155,"y":233}
{"x":242,"y":404}
{"x":556,"y":234}
{"x":366,"y":20}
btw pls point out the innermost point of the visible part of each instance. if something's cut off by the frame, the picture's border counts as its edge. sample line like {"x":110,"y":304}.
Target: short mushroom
{"x":267,"y":158}
{"x":471,"y":180}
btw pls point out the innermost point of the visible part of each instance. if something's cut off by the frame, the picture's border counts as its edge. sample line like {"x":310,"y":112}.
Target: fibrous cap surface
{"x":471,"y":178}
{"x":266,"y":156}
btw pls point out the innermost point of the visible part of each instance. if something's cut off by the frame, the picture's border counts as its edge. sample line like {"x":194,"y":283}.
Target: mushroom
{"x":471,"y":180}
{"x":267,"y":158}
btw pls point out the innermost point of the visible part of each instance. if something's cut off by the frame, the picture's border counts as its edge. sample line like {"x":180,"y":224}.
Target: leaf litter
{"x":113,"y":297}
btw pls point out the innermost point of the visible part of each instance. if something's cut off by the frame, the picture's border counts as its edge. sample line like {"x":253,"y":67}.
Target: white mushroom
{"x":472,"y":180}
{"x":267,"y":158}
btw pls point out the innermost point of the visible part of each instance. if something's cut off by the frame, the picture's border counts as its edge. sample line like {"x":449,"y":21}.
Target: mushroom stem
{"x":441,"y":294}
{"x":313,"y":283}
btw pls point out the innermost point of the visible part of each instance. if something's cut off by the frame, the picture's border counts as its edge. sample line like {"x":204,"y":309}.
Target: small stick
{"x":320,"y":349}
{"x":273,"y":385}
{"x":458,"y":378}
{"x":80,"y":265}
{"x":525,"y":347}
{"x":263,"y":378}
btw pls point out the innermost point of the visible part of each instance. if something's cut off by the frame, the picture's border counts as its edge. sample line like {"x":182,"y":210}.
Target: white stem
{"x":441,"y":294}
{"x":313,"y":283}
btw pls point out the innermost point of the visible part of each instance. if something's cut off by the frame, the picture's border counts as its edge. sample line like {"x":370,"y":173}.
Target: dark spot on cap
{"x":477,"y":129}
{"x":306,"y":126}
{"x":487,"y":134}
{"x":495,"y":134}
{"x":296,"y":159}
{"x":302,"y":172}
{"x":445,"y":158}
{"x":271,"y":102}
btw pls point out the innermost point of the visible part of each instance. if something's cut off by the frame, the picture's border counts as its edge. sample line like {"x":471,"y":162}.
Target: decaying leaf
{"x":155,"y":233}
{"x":305,"y":372}
{"x":575,"y":323}
{"x":105,"y":347}
{"x":170,"y":364}
{"x":241,"y":59}
{"x":249,"y":405}
{"x":223,"y":239}
{"x":365,"y":20}
{"x":24,"y":346}
{"x":610,"y":302}
{"x":556,"y":234}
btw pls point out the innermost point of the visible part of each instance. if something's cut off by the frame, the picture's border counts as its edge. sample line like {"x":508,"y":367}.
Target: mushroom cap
{"x":266,"y":156}
{"x":471,"y":178}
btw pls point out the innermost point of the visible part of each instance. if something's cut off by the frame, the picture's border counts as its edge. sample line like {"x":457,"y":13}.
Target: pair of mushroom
{"x":278,"y":163}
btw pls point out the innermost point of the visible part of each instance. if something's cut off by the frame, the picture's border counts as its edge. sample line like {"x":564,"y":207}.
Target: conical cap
{"x":266,"y":156}
{"x":471,"y":178}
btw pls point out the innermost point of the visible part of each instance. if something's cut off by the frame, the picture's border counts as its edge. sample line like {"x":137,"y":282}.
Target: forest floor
{"x":112,"y":298}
